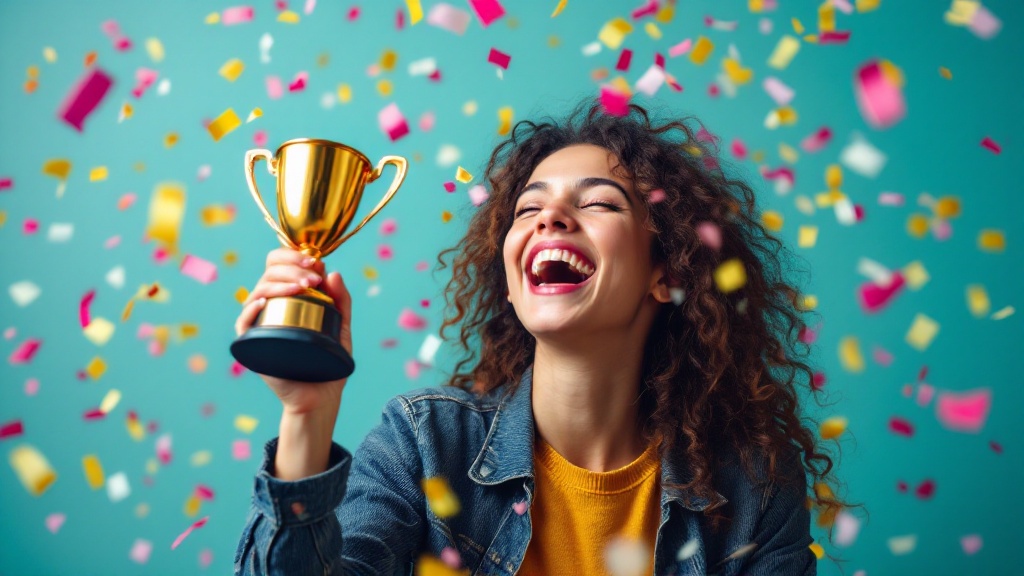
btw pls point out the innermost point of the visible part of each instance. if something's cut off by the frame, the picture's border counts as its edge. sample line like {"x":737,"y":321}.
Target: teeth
{"x":552,"y":254}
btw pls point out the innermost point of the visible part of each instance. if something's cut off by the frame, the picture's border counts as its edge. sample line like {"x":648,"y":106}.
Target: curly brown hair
{"x":745,"y":346}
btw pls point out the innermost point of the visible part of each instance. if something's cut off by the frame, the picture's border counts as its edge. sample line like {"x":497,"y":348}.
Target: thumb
{"x":334,"y":286}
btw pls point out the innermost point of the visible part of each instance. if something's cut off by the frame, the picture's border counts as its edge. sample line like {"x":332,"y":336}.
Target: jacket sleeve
{"x":783,"y":533}
{"x":364,"y":515}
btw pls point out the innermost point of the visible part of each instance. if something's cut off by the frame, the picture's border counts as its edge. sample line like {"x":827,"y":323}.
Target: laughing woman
{"x":628,"y":401}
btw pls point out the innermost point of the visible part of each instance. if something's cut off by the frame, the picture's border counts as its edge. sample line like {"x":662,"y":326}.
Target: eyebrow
{"x":579,"y":184}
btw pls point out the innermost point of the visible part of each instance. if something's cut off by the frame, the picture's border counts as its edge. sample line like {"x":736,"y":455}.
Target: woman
{"x":631,"y":410}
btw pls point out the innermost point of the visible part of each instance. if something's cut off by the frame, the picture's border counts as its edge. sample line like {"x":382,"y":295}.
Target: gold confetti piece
{"x":246,"y":424}
{"x":49,"y":54}
{"x":33,"y":469}
{"x":469,"y":108}
{"x":152,"y":466}
{"x":256,"y":113}
{"x":223,"y":124}
{"x":977,"y":300}
{"x":945,"y":73}
{"x":962,"y":12}
{"x":230,"y":258}
{"x":370,"y":273}
{"x":867,"y":5}
{"x":99,"y":331}
{"x":1002,"y":313}
{"x":772,"y":220}
{"x":787,"y":153}
{"x":922,"y":332}
{"x":991,"y":240}
{"x":446,"y":216}
{"x":798,"y":27}
{"x":819,"y":552}
{"x":135,"y":429}
{"x":665,"y":14}
{"x":388,"y":60}
{"x":784,"y":52}
{"x":186,"y":331}
{"x":915,"y":275}
{"x":554,"y":42}
{"x":427,"y":565}
{"x":755,"y":5}
{"x":833,"y":176}
{"x":808,"y":236}
{"x":192,"y":506}
{"x":166,"y":211}
{"x":110,"y":400}
{"x":323,"y":59}
{"x":415,"y":11}
{"x":201,"y":458}
{"x":170,"y":140}
{"x":93,"y":471}
{"x":652,"y":30}
{"x":614,"y":32}
{"x":288,"y":17}
{"x":737,"y":73}
{"x":125,"y":112}
{"x":241,"y":294}
{"x":127,"y":312}
{"x":463,"y":176}
{"x":947,"y":207}
{"x":443,"y":502}
{"x":833,"y":427}
{"x":58,"y":168}
{"x":850,"y":355}
{"x":730,"y":275}
{"x":212,"y":18}
{"x":917,"y":225}
{"x":344,"y":93}
{"x":98,"y":174}
{"x":505,"y":115}
{"x":811,"y":38}
{"x":559,"y":8}
{"x":215,"y":215}
{"x":826,"y":17}
{"x":3,"y":217}
{"x":810,"y":302}
{"x":232,"y":69}
{"x":384,"y":87}
{"x":701,"y":50}
{"x":155,"y":49}
{"x":96,"y":368}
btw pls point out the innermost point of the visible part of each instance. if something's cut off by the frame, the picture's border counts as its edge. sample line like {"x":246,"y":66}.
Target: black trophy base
{"x":292,"y":354}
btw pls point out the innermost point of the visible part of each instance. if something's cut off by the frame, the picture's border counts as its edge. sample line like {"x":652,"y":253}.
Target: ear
{"x":659,"y":285}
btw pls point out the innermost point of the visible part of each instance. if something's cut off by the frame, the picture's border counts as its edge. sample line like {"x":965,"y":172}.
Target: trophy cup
{"x":319,"y":186}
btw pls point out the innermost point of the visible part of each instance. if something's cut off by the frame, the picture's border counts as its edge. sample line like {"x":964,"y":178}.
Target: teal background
{"x":935,"y":149}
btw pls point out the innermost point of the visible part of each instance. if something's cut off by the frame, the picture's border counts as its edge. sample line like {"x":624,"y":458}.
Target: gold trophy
{"x":319,"y":186}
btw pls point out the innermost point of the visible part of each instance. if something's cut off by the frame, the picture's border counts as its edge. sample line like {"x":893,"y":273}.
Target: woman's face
{"x":577,"y":257}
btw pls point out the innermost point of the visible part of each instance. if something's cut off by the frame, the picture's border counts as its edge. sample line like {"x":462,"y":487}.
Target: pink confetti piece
{"x":624,"y":58}
{"x":275,"y":88}
{"x":882,"y":356}
{"x":925,"y":393}
{"x":259,"y":138}
{"x":778,"y":91}
{"x":649,"y":8}
{"x":163,"y":449}
{"x":520,"y":507}
{"x":901,"y":426}
{"x":449,"y":187}
{"x":807,"y":335}
{"x":83,"y":308}
{"x":31,"y":387}
{"x":392,"y":122}
{"x":55,"y":521}
{"x":384,"y":252}
{"x":925,"y":490}
{"x":680,"y":48}
{"x":478,"y":195}
{"x":656,"y":196}
{"x":309,"y":7}
{"x":651,"y":81}
{"x":194,"y":526}
{"x":388,"y":227}
{"x":499,"y":58}
{"x":971,"y":544}
{"x":29,"y":226}
{"x":720,"y":24}
{"x":237,"y":369}
{"x":427,"y":121}
{"x":409,"y":320}
{"x":738,"y":148}
{"x":412,"y":369}
{"x":6,"y":184}
{"x":448,"y":17}
{"x":112,"y":242}
{"x":144,"y":78}
{"x":204,"y":492}
{"x":818,"y":380}
{"x":783,"y":174}
{"x":450,"y":556}
{"x":24,"y":353}
{"x":834,"y":37}
{"x":880,"y":101}
{"x":93,"y":414}
{"x":991,"y":145}
{"x":710,"y":235}
{"x":141,"y":550}
{"x":487,"y":10}
{"x":353,"y":14}
{"x":984,"y":24}
{"x":389,"y":343}
{"x":890,"y":199}
{"x":422,"y":266}
{"x":241,"y":449}
{"x":11,"y":429}
{"x":298,"y":83}
{"x":205,"y":558}
{"x":873,"y":297}
{"x":84,"y":97}
{"x":237,"y":15}
{"x":614,"y":102}
{"x":199,"y":269}
{"x":964,"y":411}
{"x":817,"y":141}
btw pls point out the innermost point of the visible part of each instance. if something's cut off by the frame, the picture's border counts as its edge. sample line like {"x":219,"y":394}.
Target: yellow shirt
{"x":576,"y":513}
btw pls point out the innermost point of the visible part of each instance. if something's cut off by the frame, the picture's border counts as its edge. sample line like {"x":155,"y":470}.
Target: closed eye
{"x":608,"y":205}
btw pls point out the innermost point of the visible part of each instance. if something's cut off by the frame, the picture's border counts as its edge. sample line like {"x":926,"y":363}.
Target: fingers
{"x":336,"y":289}
{"x":248,"y":315}
{"x":288,"y":257}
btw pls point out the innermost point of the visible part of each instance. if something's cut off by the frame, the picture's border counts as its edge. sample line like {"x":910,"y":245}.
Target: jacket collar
{"x":507,"y":451}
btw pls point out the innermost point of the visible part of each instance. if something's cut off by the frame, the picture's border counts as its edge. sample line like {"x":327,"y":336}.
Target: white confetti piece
{"x":60,"y":232}
{"x":863,"y":158}
{"x":687,"y":550}
{"x":591,"y":49}
{"x":847,"y":528}
{"x":900,"y":545}
{"x":163,"y":87}
{"x":24,"y":293}
{"x":115,"y":278}
{"x":448,"y":155}
{"x":99,"y":331}
{"x":651,"y":81}
{"x":428,"y":349}
{"x":117,"y":487}
{"x":423,"y":67}
{"x":141,"y":550}
{"x":626,"y":557}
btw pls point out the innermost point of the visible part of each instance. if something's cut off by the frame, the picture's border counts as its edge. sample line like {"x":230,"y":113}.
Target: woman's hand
{"x":289,"y":272}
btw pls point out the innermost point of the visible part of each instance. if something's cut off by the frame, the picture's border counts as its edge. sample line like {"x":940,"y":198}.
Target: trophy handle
{"x":402,"y":165}
{"x":251,"y":157}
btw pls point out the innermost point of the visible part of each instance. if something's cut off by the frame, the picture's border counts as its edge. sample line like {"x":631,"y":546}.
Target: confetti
{"x":25,"y":351}
{"x":499,"y":58}
{"x":183,"y":535}
{"x":84,"y":97}
{"x":922,"y":332}
{"x":878,"y":87}
{"x":991,"y":241}
{"x":487,"y":10}
{"x":93,"y":471}
{"x":199,"y":269}
{"x":33,"y":469}
{"x":246,"y":424}
{"x":241,"y":449}
{"x":971,"y":544}
{"x":409,"y":320}
{"x":442,"y":501}
{"x":625,"y":556}
{"x":140,"y":551}
{"x":614,"y":32}
{"x":902,"y":545}
{"x":237,"y":15}
{"x":223,"y":125}
{"x":232,"y":69}
{"x":833,"y":427}
{"x":392,"y":122}
{"x":24,"y":293}
{"x":447,"y":17}
{"x":977,"y":300}
{"x":964,"y":411}
{"x":428,"y":349}
{"x":847,"y":526}
{"x":784,"y":52}
{"x":850,"y":355}
{"x":55,"y":521}
{"x":730,"y":275}
{"x":701,"y":50}
{"x":166,"y":211}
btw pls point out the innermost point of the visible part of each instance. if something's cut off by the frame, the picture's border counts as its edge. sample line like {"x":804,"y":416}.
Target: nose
{"x":555,"y":216}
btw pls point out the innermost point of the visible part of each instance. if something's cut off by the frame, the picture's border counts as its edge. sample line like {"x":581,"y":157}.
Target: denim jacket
{"x":367,"y":514}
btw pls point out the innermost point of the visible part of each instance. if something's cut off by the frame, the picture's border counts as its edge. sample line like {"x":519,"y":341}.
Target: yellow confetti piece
{"x":94,"y":476}
{"x":916,"y":275}
{"x":427,"y":565}
{"x":772,"y":220}
{"x":962,"y":12}
{"x":917,"y":225}
{"x":232,"y":69}
{"x":665,"y":14}
{"x":652,"y":30}
{"x":788,"y":153}
{"x":1004,"y":312}
{"x":798,"y":27}
{"x":614,"y":32}
{"x":977,"y":300}
{"x":241,"y":295}
{"x":892,"y":72}
{"x":826,"y":17}
{"x":811,"y":38}
{"x":446,"y":216}
{"x":810,"y":302}
{"x":992,"y":240}
{"x":833,"y":176}
{"x":186,"y":331}
{"x":370,"y":273}
{"x":246,"y":424}
{"x":96,"y":368}
{"x":415,"y":11}
{"x":98,"y":174}
{"x":344,"y":93}
{"x":819,"y":552}
{"x":126,"y":112}
{"x":170,"y":140}
{"x":867,"y":5}
{"x":755,"y":5}
{"x":288,"y":17}
{"x":945,"y":73}
{"x":922,"y":332}
{"x":323,"y":59}
{"x":443,"y":502}
{"x":212,"y":18}
{"x":849,"y":354}
{"x":110,"y":400}
{"x":384,"y":87}
{"x":33,"y":469}
{"x":3,"y":217}
{"x":197,"y":363}
{"x":701,"y":50}
{"x":554,"y":42}
{"x":388,"y":60}
{"x":201,"y":458}
{"x":49,"y":54}
{"x":833,"y":427}
{"x":505,"y":116}
{"x":99,"y":331}
{"x":256,"y":113}
{"x":155,"y":49}
{"x":804,"y":205}
{"x":127,"y":312}
{"x":947,"y":207}
{"x":215,"y":215}
{"x":192,"y":506}
{"x":463,"y":176}
{"x":230,"y":258}
{"x":135,"y":429}
{"x":223,"y":124}
{"x":730,"y":275}
{"x":152,"y":466}
{"x":784,"y":52}
{"x":808,"y":236}
{"x":737,"y":73}
{"x":559,"y":8}
{"x":166,"y":211}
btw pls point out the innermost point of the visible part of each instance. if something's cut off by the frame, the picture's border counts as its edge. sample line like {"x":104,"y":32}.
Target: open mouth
{"x":558,"y":267}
